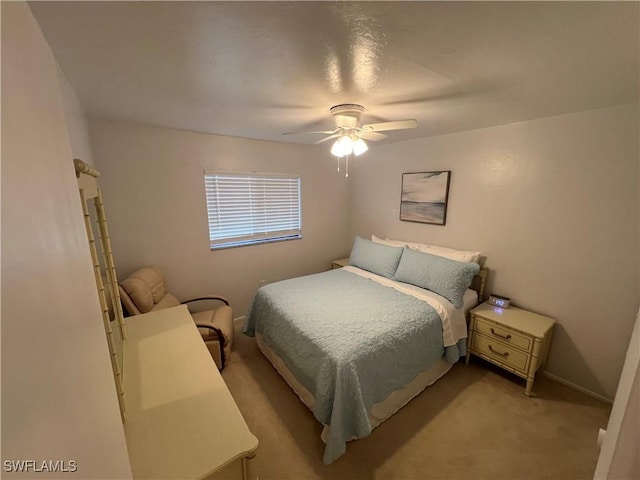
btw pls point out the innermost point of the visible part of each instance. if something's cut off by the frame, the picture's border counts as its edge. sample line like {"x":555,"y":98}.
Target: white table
{"x":181,"y":420}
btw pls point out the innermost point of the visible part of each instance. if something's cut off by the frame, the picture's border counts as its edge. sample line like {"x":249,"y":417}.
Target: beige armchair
{"x":145,"y":291}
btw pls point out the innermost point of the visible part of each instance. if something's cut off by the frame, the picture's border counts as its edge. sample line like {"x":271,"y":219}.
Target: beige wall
{"x":553,"y":204}
{"x":58,"y":394}
{"x":76,"y":121}
{"x":153,"y":186}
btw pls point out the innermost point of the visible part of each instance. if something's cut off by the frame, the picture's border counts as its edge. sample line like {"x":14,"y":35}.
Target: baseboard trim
{"x":580,"y":389}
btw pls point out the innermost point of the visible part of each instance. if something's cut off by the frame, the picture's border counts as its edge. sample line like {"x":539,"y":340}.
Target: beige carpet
{"x":474,"y":423}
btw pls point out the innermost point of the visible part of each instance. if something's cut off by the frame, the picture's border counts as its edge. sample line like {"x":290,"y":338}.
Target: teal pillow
{"x":375,"y":257}
{"x":446,"y":277}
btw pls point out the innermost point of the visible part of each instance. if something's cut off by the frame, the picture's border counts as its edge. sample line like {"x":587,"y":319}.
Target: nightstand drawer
{"x":503,"y":334}
{"x":501,"y":352}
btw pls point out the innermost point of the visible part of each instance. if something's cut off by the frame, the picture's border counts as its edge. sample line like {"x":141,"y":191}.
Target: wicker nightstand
{"x":342,"y":262}
{"x":512,"y":338}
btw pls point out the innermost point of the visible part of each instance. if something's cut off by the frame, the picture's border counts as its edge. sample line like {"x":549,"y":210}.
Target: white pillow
{"x":390,"y":243}
{"x":417,"y":246}
{"x":398,"y":243}
{"x":453,"y":254}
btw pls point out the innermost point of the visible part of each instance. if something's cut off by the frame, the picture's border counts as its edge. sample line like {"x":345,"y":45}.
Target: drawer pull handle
{"x":506,"y":337}
{"x":505,"y":354}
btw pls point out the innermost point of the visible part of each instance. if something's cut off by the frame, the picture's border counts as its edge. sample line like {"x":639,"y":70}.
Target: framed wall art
{"x":424,"y":197}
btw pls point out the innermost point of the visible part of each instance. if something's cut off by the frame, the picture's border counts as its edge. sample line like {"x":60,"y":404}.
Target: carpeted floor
{"x":474,"y":423}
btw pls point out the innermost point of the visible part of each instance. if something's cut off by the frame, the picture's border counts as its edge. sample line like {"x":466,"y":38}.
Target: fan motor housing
{"x":347,"y":115}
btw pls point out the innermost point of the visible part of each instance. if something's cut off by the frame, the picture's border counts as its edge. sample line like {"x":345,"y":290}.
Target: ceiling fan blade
{"x":327,"y":138}
{"x":446,"y":93}
{"x":372,"y":136}
{"x":398,"y":125}
{"x":325,"y":132}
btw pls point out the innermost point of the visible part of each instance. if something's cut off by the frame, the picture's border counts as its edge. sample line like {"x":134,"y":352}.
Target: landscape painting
{"x":424,"y":197}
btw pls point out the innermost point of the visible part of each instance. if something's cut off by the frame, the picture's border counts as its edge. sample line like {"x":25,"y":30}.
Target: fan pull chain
{"x":346,"y":175}
{"x":338,"y":164}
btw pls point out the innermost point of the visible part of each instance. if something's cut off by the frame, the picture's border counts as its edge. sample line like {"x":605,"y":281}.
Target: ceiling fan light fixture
{"x":337,"y":149}
{"x":348,"y":130}
{"x":342,"y":146}
{"x":359,"y":146}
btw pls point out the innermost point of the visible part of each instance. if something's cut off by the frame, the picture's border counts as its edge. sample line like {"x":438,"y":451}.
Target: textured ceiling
{"x":258,"y":69}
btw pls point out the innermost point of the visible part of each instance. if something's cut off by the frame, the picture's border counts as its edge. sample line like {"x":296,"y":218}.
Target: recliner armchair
{"x":145,"y":291}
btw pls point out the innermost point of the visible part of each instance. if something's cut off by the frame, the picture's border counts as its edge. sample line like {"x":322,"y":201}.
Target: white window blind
{"x":247,"y":207}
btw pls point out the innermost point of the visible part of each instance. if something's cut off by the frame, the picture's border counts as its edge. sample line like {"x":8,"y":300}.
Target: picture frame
{"x":424,"y":197}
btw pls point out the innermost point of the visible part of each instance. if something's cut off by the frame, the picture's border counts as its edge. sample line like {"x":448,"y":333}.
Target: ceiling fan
{"x":350,"y":135}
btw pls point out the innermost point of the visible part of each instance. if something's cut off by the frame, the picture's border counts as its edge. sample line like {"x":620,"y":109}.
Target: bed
{"x":357,"y":343}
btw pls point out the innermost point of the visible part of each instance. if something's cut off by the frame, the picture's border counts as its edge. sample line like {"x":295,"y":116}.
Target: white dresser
{"x":181,"y":420}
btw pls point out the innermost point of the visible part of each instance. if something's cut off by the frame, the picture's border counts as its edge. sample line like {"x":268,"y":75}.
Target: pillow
{"x":398,"y":243}
{"x":375,"y":257}
{"x":417,"y":246}
{"x":388,"y":242}
{"x":459,"y":255}
{"x":446,"y":277}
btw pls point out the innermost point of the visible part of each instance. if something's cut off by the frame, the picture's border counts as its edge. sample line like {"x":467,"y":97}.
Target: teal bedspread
{"x":350,"y":341}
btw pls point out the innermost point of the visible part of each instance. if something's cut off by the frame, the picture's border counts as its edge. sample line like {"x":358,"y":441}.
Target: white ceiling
{"x":258,"y":69}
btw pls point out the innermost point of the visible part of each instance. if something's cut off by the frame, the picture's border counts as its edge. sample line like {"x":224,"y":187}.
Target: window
{"x":246,"y":208}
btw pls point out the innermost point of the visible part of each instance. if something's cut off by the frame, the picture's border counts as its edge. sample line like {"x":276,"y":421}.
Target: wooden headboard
{"x":479,"y":282}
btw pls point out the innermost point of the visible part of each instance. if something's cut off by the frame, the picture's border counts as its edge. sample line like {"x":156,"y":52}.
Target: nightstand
{"x":341,"y":262}
{"x":512,"y":338}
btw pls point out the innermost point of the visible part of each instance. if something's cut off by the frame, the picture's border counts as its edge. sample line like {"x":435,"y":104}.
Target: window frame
{"x":259,"y":223}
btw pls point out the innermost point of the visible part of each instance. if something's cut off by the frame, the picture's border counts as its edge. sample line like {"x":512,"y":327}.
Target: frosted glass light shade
{"x":335,"y":149}
{"x":359,"y":147}
{"x":343,"y":146}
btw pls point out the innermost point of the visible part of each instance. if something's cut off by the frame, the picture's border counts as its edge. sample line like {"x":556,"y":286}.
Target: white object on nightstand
{"x":342,"y":262}
{"x":514,"y":339}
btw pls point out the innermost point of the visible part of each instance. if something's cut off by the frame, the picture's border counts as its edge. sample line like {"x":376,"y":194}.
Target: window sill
{"x":224,"y":246}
